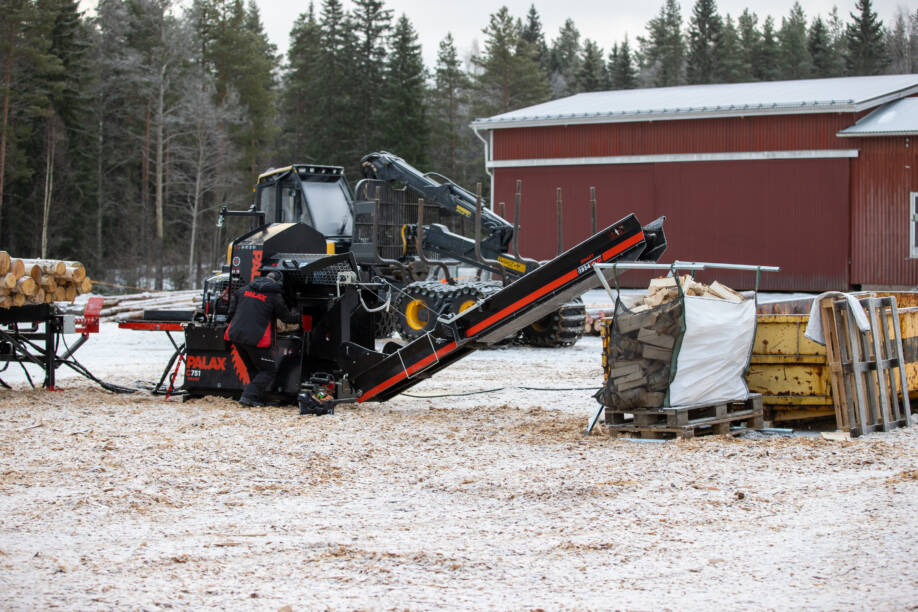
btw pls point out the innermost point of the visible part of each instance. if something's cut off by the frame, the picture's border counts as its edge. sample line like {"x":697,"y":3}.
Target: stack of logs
{"x":40,"y":281}
{"x":640,"y":356}
{"x":124,"y":307}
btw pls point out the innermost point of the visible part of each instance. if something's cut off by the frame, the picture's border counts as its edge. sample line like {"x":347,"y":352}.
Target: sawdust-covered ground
{"x":492,"y":501}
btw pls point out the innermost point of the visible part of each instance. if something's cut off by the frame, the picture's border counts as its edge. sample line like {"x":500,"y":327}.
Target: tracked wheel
{"x":563,"y":327}
{"x":418,"y":306}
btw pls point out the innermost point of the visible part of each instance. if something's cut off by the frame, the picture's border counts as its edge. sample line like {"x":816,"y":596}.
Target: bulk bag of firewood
{"x":684,"y":347}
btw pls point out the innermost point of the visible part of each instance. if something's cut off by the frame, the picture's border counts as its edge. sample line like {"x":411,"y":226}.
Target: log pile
{"x":40,"y":281}
{"x":665,"y":289}
{"x":129,"y":307}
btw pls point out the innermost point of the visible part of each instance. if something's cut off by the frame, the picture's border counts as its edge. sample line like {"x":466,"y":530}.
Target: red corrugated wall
{"x":731,"y":134}
{"x":811,"y":204}
{"x":790,"y":213}
{"x":881,"y":180}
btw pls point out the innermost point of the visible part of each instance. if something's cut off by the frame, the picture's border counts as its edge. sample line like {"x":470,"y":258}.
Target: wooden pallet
{"x":867,"y":367}
{"x":688,"y":421}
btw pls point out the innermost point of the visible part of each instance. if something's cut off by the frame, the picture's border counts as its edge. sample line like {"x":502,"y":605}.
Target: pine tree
{"x":663,"y":50}
{"x":867,"y":53}
{"x":371,"y":25}
{"x":767,"y":65}
{"x":826,"y":62}
{"x":565,"y":60}
{"x":705,"y":34}
{"x":750,"y":40}
{"x":622,"y":71}
{"x":510,"y":76}
{"x":732,"y":67}
{"x":404,"y":113}
{"x":592,"y":75}
{"x":794,"y":54}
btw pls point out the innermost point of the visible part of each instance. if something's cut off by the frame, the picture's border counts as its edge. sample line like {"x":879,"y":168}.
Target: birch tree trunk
{"x":195,"y":206}
{"x":49,"y":184}
{"x":160,"y":172}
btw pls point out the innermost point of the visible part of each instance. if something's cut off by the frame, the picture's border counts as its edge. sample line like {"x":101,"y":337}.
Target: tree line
{"x":123,"y":131}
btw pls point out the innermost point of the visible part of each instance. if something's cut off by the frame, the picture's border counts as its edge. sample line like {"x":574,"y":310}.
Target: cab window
{"x":267,"y":202}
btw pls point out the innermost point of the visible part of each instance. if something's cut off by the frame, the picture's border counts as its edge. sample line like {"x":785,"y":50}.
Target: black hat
{"x":275,"y":276}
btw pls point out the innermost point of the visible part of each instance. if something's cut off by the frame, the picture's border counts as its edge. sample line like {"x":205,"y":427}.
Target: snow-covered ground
{"x":494,"y":500}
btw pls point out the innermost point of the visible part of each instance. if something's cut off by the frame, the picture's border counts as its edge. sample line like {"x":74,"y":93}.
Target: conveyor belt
{"x":379,"y":377}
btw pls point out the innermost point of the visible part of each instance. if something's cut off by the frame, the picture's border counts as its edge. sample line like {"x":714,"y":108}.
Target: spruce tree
{"x":826,"y":62}
{"x":299,"y":108}
{"x":732,"y":67}
{"x":750,"y":40}
{"x":705,"y":34}
{"x":663,"y":50}
{"x":533,"y":34}
{"x":565,"y":59}
{"x":371,"y":25}
{"x":257,"y":90}
{"x":622,"y":71}
{"x":448,"y":109}
{"x":768,"y":67}
{"x":867,"y":53}
{"x":334,"y":142}
{"x":794,"y":54}
{"x":404,"y":114}
{"x":592,"y":75}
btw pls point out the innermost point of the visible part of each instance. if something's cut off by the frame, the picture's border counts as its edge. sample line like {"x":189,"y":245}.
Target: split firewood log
{"x":4,"y":262}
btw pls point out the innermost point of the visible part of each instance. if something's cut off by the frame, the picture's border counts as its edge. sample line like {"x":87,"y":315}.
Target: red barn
{"x":817,"y":176}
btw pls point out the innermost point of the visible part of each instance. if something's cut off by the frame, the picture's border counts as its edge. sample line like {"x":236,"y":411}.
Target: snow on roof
{"x":899,"y":118}
{"x":847,"y":94}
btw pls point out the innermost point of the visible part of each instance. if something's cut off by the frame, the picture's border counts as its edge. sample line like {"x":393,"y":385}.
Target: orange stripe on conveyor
{"x":406,"y":373}
{"x":561,"y":280}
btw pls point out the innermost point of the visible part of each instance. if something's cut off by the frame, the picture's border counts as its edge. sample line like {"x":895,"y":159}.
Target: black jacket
{"x":253,"y":311}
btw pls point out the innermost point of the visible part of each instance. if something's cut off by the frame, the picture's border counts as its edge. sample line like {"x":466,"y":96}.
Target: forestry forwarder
{"x":331,"y":357}
{"x":382,"y":227}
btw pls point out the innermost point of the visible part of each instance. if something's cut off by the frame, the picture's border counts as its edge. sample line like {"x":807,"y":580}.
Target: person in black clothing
{"x":253,"y":312}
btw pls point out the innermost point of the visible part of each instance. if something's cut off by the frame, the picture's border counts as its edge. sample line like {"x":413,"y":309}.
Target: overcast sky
{"x":604,"y":21}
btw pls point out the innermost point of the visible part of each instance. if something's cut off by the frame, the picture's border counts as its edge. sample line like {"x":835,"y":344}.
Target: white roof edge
{"x":876,"y":134}
{"x":635,"y":117}
{"x":676,"y":114}
{"x":891,"y":96}
{"x":675,"y":158}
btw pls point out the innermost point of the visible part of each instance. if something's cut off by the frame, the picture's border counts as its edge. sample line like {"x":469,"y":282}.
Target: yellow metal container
{"x":790,"y":370}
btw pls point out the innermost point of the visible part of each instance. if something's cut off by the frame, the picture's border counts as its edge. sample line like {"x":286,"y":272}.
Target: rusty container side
{"x":789,"y":369}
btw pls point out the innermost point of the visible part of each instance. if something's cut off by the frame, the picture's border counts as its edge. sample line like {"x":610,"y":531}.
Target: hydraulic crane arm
{"x":443,"y":193}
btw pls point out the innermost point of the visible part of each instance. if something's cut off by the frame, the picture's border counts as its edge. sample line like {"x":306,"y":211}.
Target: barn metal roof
{"x":899,"y":118}
{"x":847,"y":94}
